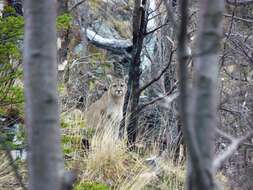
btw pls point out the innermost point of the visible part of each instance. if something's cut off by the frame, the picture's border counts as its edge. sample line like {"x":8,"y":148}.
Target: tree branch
{"x":239,"y":2}
{"x":159,"y":76}
{"x":238,"y":18}
{"x":114,"y":45}
{"x":170,"y":94}
{"x":235,"y":143}
{"x":76,"y":5}
{"x":157,"y":28}
{"x":158,"y":14}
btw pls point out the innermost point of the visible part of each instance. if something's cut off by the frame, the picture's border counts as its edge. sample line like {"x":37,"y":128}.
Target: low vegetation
{"x":109,"y":165}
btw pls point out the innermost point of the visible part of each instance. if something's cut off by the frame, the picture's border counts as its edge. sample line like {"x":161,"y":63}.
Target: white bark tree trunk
{"x":199,"y":110}
{"x":45,"y":161}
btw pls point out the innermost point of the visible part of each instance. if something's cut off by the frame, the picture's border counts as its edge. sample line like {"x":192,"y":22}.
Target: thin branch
{"x":231,"y":24}
{"x":114,"y":45}
{"x":159,"y":27}
{"x":235,"y":143}
{"x":76,"y":5}
{"x":239,"y":2}
{"x":225,"y":135}
{"x":238,"y":18}
{"x":159,"y":76}
{"x":233,"y":77}
{"x":158,"y":14}
{"x":156,"y":9}
{"x":248,"y":145}
{"x":239,"y":46}
{"x":170,"y":94}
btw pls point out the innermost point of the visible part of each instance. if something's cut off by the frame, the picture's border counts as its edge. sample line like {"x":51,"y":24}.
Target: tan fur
{"x":109,"y":106}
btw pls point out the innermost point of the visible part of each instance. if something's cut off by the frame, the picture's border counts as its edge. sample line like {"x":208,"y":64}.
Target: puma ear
{"x":126,"y":78}
{"x":109,"y":78}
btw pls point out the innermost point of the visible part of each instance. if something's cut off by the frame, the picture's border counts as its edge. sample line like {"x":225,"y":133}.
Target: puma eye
{"x":122,"y":85}
{"x":114,"y":85}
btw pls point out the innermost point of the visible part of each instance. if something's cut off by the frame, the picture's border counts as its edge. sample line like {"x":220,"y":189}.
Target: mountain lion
{"x":109,"y":106}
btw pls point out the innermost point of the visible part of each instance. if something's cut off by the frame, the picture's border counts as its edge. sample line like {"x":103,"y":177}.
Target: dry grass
{"x":138,"y":181}
{"x":108,"y":159}
{"x":7,"y":177}
{"x":110,"y":162}
{"x":172,"y":177}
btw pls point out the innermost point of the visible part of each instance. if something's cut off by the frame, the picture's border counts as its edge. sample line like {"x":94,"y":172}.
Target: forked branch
{"x":235,"y":143}
{"x":159,"y":76}
{"x":172,"y":95}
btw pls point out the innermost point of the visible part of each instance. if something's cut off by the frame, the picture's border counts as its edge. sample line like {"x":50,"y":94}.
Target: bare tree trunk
{"x":206,"y":70}
{"x":42,"y":113}
{"x":139,"y":30}
{"x":198,"y":111}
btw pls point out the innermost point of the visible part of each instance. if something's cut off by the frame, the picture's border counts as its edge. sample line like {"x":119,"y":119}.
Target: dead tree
{"x":132,"y":108}
{"x":45,"y":161}
{"x":133,"y":93}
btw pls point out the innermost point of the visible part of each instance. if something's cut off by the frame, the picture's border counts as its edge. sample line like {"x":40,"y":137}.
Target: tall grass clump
{"x":109,"y":158}
{"x":108,"y":164}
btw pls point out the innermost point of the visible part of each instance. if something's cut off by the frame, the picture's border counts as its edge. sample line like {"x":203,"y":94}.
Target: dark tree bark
{"x":45,"y":161}
{"x":133,"y":92}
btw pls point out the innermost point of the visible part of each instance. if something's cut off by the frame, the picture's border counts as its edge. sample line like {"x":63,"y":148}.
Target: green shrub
{"x":91,"y":185}
{"x":64,"y":21}
{"x":70,"y":143}
{"x":11,"y":35}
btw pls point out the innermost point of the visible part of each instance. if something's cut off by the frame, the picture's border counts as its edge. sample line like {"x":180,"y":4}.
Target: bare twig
{"x":156,"y":9}
{"x":238,"y":18}
{"x":233,"y":77}
{"x":248,"y":145}
{"x":159,"y":76}
{"x":158,"y":14}
{"x":157,"y":28}
{"x":239,"y":2}
{"x":235,"y":143}
{"x":223,"y":134}
{"x":231,"y":23}
{"x":170,"y":93}
{"x":76,"y":5}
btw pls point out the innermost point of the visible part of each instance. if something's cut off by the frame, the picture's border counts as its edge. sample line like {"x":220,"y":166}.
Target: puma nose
{"x":119,"y":91}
